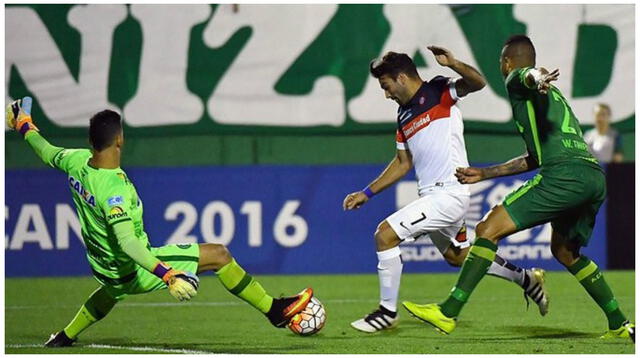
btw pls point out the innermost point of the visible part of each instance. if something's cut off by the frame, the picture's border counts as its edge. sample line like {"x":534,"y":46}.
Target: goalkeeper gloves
{"x":18,"y":116}
{"x":182,"y":285}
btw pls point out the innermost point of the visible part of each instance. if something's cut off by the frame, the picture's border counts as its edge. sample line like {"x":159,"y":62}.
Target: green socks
{"x":475,"y":266}
{"x":96,"y":307}
{"x":241,"y":284}
{"x":590,"y":277}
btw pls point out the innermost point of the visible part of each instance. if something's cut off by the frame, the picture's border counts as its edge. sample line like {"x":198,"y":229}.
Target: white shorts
{"x":438,"y":215}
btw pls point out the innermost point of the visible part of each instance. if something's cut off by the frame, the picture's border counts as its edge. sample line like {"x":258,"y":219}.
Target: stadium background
{"x":248,"y":124}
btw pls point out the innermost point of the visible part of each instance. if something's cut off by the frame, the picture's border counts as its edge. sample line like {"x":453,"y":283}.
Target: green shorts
{"x":183,"y":257}
{"x":567,"y":195}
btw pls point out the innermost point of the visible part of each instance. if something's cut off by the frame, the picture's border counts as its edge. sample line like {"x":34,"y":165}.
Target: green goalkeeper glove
{"x":18,"y":116}
{"x":182,"y":285}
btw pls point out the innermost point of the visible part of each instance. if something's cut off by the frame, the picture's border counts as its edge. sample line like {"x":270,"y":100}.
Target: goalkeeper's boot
{"x":431,"y":313}
{"x":627,"y":330}
{"x":284,"y":308}
{"x":378,"y":320}
{"x":534,"y":289}
{"x":59,"y":339}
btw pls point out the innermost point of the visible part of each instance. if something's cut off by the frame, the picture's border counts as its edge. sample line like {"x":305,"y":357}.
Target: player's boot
{"x":378,"y":320}
{"x":59,"y":339}
{"x":534,"y":289}
{"x":627,"y":330}
{"x":283,"y":308}
{"x":431,"y":313}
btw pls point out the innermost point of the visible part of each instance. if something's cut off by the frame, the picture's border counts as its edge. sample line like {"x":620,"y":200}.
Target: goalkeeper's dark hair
{"x":520,"y":47}
{"x":393,"y":64}
{"x":104,"y":127}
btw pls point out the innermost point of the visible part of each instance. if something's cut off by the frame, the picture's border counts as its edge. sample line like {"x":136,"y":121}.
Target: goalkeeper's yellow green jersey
{"x":103,"y":198}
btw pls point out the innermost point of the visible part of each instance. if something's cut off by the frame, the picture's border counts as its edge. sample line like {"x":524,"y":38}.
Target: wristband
{"x":25,"y":127}
{"x":367,"y":191}
{"x":161,"y":270}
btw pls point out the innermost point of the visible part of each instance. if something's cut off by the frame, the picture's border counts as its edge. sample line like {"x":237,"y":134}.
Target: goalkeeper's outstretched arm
{"x":43,"y":149}
{"x":18,"y":118}
{"x":133,"y":247}
{"x":182,"y":285}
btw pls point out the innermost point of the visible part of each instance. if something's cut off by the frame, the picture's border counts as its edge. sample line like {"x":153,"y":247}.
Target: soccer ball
{"x":310,"y":320}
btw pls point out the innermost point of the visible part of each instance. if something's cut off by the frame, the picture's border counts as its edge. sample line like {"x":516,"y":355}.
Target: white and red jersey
{"x":430,"y":127}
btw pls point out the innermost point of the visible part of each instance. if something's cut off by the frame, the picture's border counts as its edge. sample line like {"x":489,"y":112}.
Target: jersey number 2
{"x":566,"y":121}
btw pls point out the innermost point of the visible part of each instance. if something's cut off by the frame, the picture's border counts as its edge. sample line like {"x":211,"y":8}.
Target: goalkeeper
{"x":118,"y":249}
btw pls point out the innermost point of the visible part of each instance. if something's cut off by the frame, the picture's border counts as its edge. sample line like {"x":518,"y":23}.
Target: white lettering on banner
{"x":66,"y":219}
{"x":30,"y":214}
{"x":475,"y":211}
{"x":420,"y":253}
{"x":253,"y":210}
{"x":544,"y":236}
{"x":555,"y":51}
{"x":162,"y":90}
{"x":227,"y":223}
{"x":31,"y":49}
{"x":525,"y":252}
{"x":286,"y":219}
{"x":280,"y":33}
{"x":189,"y":218}
{"x":413,"y":27}
{"x":289,"y":229}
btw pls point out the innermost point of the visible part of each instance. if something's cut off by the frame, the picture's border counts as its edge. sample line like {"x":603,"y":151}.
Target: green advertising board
{"x":251,"y":84}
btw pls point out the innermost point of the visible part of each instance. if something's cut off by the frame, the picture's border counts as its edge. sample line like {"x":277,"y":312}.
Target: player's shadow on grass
{"x":543,"y":332}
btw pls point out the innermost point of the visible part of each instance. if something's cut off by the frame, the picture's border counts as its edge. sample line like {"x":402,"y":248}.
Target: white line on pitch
{"x":179,"y":304}
{"x":129,"y":348}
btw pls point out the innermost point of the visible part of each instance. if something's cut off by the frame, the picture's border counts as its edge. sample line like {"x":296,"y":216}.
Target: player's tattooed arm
{"x":471,"y":81}
{"x":517,"y":165}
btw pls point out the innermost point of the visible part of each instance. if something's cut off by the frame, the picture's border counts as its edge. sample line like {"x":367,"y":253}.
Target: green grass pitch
{"x":494,"y":321}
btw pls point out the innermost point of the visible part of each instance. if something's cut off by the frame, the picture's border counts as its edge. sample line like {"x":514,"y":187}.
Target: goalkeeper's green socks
{"x":96,"y":307}
{"x":241,"y":284}
{"x":475,"y":266}
{"x":590,"y":277}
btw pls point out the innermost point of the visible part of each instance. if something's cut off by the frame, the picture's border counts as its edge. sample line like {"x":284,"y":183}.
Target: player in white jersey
{"x":430,"y":139}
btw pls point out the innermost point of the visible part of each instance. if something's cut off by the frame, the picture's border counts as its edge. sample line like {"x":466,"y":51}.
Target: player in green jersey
{"x":567,"y":191}
{"x":118,"y":249}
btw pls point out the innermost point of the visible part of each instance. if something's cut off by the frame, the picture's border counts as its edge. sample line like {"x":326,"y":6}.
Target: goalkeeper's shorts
{"x":182,"y":257}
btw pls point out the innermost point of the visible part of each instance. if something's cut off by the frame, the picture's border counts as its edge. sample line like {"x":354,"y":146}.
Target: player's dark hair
{"x":393,"y":64}
{"x":520,"y":47}
{"x":104,"y":127}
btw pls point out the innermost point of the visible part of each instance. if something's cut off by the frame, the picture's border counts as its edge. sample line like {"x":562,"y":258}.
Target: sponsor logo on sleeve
{"x":115,"y":200}
{"x":116,"y":212}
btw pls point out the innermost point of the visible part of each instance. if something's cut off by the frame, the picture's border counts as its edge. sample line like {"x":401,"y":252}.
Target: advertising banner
{"x":297,"y":69}
{"x":274,"y":219}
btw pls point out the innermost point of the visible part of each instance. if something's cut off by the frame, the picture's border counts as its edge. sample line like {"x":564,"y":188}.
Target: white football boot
{"x":378,"y":320}
{"x":534,"y":289}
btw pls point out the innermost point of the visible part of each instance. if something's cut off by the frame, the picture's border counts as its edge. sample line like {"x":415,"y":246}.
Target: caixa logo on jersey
{"x":528,"y":247}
